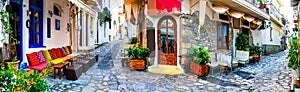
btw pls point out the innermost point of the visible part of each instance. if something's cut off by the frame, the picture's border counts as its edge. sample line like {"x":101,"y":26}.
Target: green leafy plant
{"x":17,"y":80}
{"x":262,"y":1}
{"x":293,"y":56}
{"x":296,"y":85}
{"x":133,"y":40}
{"x":255,"y":49}
{"x":242,"y":42}
{"x":104,"y":17}
{"x":138,"y":53}
{"x":200,"y":55}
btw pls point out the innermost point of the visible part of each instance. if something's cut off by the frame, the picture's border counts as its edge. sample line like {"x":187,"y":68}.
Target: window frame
{"x":32,"y":29}
{"x":227,"y":38}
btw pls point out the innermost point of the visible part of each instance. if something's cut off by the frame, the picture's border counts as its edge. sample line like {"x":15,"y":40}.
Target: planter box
{"x":200,"y":70}
{"x":85,"y":65}
{"x":256,"y":57}
{"x":73,"y":72}
{"x":137,"y":65}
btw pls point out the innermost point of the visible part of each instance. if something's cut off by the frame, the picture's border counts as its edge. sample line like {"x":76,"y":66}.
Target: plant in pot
{"x":296,"y":87}
{"x":255,"y":52}
{"x":138,"y":57}
{"x":200,"y":58}
{"x":242,"y":42}
{"x":133,"y":40}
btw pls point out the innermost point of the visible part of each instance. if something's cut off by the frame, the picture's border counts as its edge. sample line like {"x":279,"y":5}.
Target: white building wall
{"x":59,"y":38}
{"x":266,"y":39}
{"x":88,"y":28}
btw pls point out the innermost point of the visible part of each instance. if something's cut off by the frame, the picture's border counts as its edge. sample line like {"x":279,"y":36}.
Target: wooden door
{"x":150,"y":37}
{"x":167,"y":41}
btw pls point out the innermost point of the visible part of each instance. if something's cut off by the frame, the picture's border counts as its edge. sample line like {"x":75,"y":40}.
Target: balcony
{"x":274,"y":14}
{"x":250,"y":7}
{"x":262,"y":7}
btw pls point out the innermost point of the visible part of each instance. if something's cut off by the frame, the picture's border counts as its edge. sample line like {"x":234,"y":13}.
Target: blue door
{"x":36,"y":23}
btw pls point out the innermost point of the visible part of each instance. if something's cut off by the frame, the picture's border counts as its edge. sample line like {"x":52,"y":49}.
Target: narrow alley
{"x":271,"y":74}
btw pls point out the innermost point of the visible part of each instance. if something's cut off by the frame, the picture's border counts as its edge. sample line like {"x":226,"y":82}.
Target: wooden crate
{"x":137,"y":65}
{"x":200,"y":70}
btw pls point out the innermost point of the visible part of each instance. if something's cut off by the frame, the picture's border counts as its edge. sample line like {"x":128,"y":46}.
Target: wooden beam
{"x":190,"y":10}
{"x":192,"y":5}
{"x":195,"y":3}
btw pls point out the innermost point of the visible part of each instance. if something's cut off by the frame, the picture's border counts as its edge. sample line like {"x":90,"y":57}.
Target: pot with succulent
{"x":255,"y":52}
{"x":138,"y":57}
{"x":200,"y":57}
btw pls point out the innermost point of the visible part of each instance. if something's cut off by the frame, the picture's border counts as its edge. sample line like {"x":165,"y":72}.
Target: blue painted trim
{"x":32,"y":27}
{"x":87,"y":30}
{"x":80,"y":38}
{"x":48,"y":27}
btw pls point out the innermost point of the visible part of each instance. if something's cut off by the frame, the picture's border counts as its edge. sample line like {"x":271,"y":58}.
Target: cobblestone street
{"x":271,"y":74}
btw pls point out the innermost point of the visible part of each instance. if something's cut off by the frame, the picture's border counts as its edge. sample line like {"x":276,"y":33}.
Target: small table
{"x":59,"y":67}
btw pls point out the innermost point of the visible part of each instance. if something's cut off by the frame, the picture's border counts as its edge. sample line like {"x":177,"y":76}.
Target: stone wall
{"x":271,"y":49}
{"x":189,"y":37}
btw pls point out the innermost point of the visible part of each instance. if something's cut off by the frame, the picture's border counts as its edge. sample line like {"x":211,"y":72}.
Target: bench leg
{"x":59,"y":73}
{"x":54,"y":74}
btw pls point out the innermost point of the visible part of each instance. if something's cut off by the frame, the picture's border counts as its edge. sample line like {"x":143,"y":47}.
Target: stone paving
{"x":107,"y":75}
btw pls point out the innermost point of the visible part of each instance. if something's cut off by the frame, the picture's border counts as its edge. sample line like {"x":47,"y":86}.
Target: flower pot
{"x":200,"y":70}
{"x":296,"y":73}
{"x":297,"y":90}
{"x":256,"y":57}
{"x":137,"y":65}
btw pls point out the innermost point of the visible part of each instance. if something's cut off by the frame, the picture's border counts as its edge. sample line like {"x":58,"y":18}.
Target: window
{"x":87,"y":30}
{"x":223,"y":35}
{"x":36,"y":24}
{"x":57,"y":10}
{"x":236,"y":23}
{"x":245,"y":23}
{"x":48,"y":28}
{"x":223,"y":17}
{"x":80,"y":33}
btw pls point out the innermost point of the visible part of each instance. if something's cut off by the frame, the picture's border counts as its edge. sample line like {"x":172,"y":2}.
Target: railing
{"x":275,"y":13}
{"x":256,"y":4}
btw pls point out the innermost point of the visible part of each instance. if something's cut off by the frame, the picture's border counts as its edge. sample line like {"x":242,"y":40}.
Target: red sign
{"x":164,"y":6}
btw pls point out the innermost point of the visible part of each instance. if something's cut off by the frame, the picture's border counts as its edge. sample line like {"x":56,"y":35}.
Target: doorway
{"x":167,"y":35}
{"x":15,"y":22}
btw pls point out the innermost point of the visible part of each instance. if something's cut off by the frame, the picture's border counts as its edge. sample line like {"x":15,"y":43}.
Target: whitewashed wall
{"x":58,"y":38}
{"x":265,"y":36}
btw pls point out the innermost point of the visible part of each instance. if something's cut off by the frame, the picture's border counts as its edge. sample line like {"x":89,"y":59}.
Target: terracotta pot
{"x":256,"y":57}
{"x":200,"y":70}
{"x":137,"y":65}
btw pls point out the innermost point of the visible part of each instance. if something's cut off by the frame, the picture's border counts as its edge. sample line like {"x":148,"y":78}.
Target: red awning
{"x":164,"y":6}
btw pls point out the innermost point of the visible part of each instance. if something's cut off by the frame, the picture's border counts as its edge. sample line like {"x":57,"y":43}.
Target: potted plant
{"x":200,"y":58}
{"x":138,"y":56}
{"x":293,"y":56}
{"x":296,"y":87}
{"x":242,"y":42}
{"x":133,"y":40}
{"x":255,"y":52}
